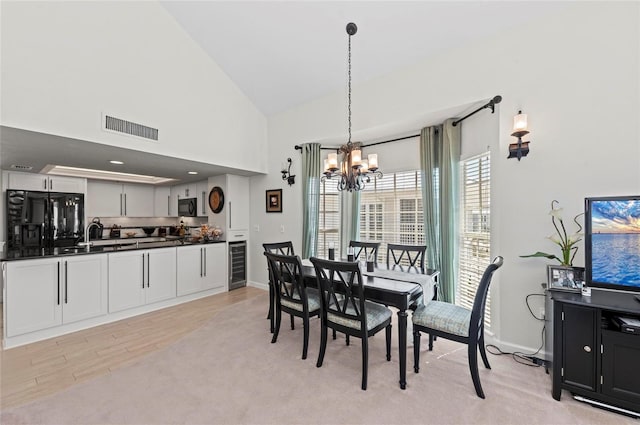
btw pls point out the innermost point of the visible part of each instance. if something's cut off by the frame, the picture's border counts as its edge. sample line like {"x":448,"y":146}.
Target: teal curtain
{"x":430,"y":140}
{"x":311,"y":171}
{"x":350,"y":218}
{"x":449,"y":208}
{"x":440,"y":162}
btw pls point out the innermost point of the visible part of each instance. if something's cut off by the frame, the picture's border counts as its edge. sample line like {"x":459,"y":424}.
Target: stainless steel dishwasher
{"x":237,"y":264}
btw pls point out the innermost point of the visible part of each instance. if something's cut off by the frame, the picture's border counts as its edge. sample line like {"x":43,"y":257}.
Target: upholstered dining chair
{"x":406,"y":256}
{"x":292,"y":296}
{"x":344,"y":308}
{"x":457,"y":323}
{"x":365,"y":248}
{"x":283,"y":248}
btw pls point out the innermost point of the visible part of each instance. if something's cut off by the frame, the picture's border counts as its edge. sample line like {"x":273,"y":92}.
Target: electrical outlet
{"x":256,"y":228}
{"x":282,"y":228}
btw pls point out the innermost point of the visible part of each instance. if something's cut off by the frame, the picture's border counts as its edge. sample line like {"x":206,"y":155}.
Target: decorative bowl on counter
{"x":149,"y":230}
{"x":130,"y":234}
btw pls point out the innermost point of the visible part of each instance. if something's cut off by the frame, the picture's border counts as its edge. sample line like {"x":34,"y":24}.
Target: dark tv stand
{"x":637,"y":297}
{"x":592,"y":357}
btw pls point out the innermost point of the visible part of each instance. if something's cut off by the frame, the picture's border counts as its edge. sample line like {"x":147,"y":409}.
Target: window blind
{"x":329,"y":219}
{"x":475,"y":229}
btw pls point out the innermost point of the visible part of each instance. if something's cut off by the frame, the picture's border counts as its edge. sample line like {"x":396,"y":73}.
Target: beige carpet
{"x":228,"y":372}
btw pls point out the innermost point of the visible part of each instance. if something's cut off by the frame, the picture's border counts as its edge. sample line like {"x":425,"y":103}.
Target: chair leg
{"x":323,"y":343}
{"x":271,"y":313}
{"x":483,"y":352}
{"x":276,"y":330}
{"x":305,"y":343}
{"x":334,"y":333}
{"x":365,"y":361}
{"x":388,"y":335}
{"x":292,"y":327}
{"x":431,"y":339}
{"x":473,"y":368}
{"x":347,"y":339}
{"x":416,"y":351}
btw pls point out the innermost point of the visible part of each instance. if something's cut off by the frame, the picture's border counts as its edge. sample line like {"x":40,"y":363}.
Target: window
{"x":474,"y":229}
{"x":329,"y":220}
{"x":391,"y":211}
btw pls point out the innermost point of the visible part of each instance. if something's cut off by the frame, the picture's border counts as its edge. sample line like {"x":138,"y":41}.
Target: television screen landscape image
{"x":613,"y":242}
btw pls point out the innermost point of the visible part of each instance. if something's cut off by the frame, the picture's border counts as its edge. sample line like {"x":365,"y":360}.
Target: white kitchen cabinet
{"x":161,"y":202}
{"x":141,"y":277}
{"x":45,"y":183}
{"x":237,"y":198}
{"x":49,"y":292}
{"x":202,"y":190}
{"x":108,"y":199}
{"x":84,"y":287}
{"x":201,"y":267}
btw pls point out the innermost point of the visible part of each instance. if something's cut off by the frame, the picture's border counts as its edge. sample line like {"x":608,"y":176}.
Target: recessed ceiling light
{"x":103,"y":175}
{"x":192,"y":172}
{"x":113,"y":161}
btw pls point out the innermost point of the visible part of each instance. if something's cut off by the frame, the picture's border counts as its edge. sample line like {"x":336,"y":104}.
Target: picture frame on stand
{"x":565,"y":278}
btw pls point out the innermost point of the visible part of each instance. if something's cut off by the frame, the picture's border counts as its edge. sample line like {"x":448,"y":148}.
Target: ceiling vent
{"x":21,"y":167}
{"x":127,"y":127}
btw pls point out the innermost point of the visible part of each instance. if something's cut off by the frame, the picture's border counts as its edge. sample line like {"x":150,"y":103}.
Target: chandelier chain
{"x":349,"y":72}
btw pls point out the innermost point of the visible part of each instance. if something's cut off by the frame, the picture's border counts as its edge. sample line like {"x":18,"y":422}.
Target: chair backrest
{"x":406,"y":256}
{"x":283,"y":248}
{"x":480,"y":300}
{"x":341,"y":291}
{"x":365,"y":248}
{"x":288,"y":279}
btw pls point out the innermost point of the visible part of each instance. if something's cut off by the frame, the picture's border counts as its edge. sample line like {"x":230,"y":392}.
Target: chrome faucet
{"x":87,"y":242}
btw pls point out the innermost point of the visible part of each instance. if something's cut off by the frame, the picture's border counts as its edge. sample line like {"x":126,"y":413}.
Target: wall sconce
{"x":519,"y":149}
{"x":286,"y":174}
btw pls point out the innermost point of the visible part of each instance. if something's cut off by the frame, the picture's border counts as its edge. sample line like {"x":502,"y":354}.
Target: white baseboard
{"x":259,"y":285}
{"x":509,"y":347}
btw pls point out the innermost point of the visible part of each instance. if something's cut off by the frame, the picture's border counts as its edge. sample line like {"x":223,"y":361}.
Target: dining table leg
{"x":402,"y":346}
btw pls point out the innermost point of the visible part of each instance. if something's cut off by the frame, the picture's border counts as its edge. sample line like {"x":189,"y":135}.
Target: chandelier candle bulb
{"x":364,"y":166}
{"x":332,"y":159}
{"x":356,"y":158}
{"x":373,"y":161}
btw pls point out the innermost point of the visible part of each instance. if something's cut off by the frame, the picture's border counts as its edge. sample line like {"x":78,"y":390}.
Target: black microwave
{"x":188,"y":207}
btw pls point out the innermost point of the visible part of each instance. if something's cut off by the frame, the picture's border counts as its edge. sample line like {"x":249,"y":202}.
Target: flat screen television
{"x":612,"y":242}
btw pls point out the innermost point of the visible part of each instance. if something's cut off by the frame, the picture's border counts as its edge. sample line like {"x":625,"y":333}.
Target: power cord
{"x":519,"y":357}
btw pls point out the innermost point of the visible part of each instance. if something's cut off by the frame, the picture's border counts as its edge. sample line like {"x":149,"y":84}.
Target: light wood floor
{"x":35,"y":370}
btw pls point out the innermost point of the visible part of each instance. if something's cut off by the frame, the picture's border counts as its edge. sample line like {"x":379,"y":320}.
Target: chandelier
{"x":353,"y":172}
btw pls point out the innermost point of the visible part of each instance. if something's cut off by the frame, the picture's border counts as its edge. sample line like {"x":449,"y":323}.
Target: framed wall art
{"x":274,"y":200}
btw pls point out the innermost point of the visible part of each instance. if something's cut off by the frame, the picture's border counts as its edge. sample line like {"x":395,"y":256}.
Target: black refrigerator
{"x":44,"y":219}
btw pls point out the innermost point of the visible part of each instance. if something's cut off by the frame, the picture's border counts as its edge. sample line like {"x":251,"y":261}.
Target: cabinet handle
{"x":204,"y":210}
{"x":66,"y":281}
{"x":200,"y":262}
{"x":50,"y":184}
{"x":142,"y":271}
{"x":45,"y":184}
{"x":148,"y":274}
{"x":58,"y":282}
{"x":205,"y":262}
{"x":168,"y":205}
{"x":125,"y":204}
{"x":587,"y":348}
{"x":121,"y":204}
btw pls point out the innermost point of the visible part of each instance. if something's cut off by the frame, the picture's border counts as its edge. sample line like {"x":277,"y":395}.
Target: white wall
{"x":64,"y":64}
{"x":577,"y":76}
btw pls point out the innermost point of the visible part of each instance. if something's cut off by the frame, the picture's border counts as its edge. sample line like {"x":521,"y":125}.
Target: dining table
{"x":402,"y":288}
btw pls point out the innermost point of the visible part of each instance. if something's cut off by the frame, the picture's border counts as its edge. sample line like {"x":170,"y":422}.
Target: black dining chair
{"x":292,"y":296}
{"x":406,"y":257}
{"x":283,"y":248}
{"x":344,"y":308}
{"x":366,"y":249}
{"x":457,"y":323}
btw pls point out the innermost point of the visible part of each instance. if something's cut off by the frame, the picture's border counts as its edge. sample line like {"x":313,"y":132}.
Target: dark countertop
{"x":33,"y":253}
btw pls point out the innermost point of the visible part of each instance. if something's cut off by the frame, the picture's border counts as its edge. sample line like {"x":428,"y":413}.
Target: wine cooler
{"x":237,"y":265}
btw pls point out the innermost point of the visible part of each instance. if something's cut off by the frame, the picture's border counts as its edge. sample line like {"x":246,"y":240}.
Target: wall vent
{"x":128,"y":127}
{"x":21,"y":167}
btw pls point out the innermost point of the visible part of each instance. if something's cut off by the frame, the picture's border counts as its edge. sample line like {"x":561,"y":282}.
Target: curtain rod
{"x":491,"y":104}
{"x":298,"y":147}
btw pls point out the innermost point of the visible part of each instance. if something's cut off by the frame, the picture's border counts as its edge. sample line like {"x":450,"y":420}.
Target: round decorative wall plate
{"x":216,"y":199}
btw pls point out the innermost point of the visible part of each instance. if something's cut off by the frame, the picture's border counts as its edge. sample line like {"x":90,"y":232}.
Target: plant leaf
{"x":542,"y":254}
